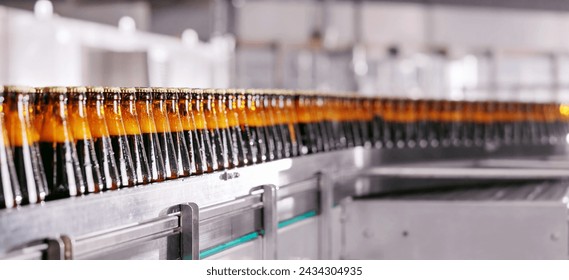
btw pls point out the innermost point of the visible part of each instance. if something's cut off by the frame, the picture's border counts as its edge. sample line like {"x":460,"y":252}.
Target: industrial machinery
{"x":489,"y":200}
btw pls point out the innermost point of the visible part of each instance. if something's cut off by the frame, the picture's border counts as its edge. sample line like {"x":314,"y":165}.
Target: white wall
{"x":408,"y":24}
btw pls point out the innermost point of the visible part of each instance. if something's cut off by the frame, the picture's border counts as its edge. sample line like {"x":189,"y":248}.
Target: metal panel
{"x":300,"y":241}
{"x":94,"y":213}
{"x":336,"y":233}
{"x":378,"y":229}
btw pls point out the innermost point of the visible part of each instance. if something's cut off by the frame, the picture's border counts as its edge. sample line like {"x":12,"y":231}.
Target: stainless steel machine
{"x":352,"y":204}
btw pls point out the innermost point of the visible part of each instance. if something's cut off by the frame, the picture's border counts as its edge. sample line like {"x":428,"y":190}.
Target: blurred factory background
{"x":464,"y":49}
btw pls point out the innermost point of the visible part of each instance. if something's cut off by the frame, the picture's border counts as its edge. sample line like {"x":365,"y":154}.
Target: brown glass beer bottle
{"x":271,"y":107}
{"x":57,"y":148}
{"x":134,"y":135}
{"x":282,"y":124}
{"x":101,"y":137}
{"x":292,"y":117}
{"x":236,"y":129}
{"x":10,"y":194}
{"x":306,"y":130}
{"x":249,"y":145}
{"x":119,"y":140}
{"x":183,"y":155}
{"x":150,"y":137}
{"x":214,"y":131}
{"x":207,"y":150}
{"x":25,"y":148}
{"x":164,"y":135}
{"x":259,"y":146}
{"x":229,"y":146}
{"x":265,"y":124}
{"x":84,"y":143}
{"x":190,"y":131}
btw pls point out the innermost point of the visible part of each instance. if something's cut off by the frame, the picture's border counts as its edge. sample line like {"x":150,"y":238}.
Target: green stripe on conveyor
{"x":243,"y":239}
{"x":296,"y":219}
{"x":248,"y":237}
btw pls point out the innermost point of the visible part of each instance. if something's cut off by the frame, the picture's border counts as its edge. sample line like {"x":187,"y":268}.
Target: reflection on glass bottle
{"x":292,"y":122}
{"x":273,"y":130}
{"x":57,"y":148}
{"x":267,"y":134}
{"x":215,"y":133}
{"x":199,"y":164}
{"x":134,"y":136}
{"x":306,"y":130}
{"x":183,"y":155}
{"x":241,"y":151}
{"x":84,"y":143}
{"x":258,"y":146}
{"x":145,"y":115}
{"x":239,"y":104}
{"x":101,"y":138}
{"x":10,"y":195}
{"x":207,"y":149}
{"x":25,"y":148}
{"x":229,"y":146}
{"x":119,"y":140}
{"x":281,"y":114}
{"x":164,"y":133}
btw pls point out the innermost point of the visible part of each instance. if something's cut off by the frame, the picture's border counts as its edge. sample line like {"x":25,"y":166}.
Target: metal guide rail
{"x":198,"y":217}
{"x":187,"y":218}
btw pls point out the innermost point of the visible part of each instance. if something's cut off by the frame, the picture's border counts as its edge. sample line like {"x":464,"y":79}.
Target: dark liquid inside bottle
{"x":194,"y":144}
{"x":89,"y":166}
{"x":118,"y":135}
{"x":199,"y":165}
{"x":239,"y":108}
{"x":307,"y":138}
{"x":24,"y":147}
{"x":106,"y":158}
{"x":57,"y":149}
{"x":218,"y":147}
{"x":10,"y":194}
{"x":203,"y":139}
{"x":218,"y":141}
{"x":101,"y":141}
{"x":184,"y":153}
{"x":32,"y":191}
{"x":241,"y":148}
{"x":62,"y":169}
{"x":138,"y":155}
{"x":121,"y":150}
{"x":306,"y":129}
{"x":259,"y":143}
{"x":145,"y":116}
{"x":165,"y":137}
{"x":154,"y":156}
{"x":237,"y":138}
{"x":256,"y":133}
{"x":84,"y":144}
{"x":203,"y":142}
{"x":129,"y":114}
{"x":229,"y":146}
{"x":168,"y":154}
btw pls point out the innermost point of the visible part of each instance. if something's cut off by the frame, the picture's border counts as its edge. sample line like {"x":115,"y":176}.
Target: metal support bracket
{"x":181,"y":223}
{"x":48,"y":249}
{"x":326,"y":189}
{"x":270,"y":222}
{"x":189,"y":234}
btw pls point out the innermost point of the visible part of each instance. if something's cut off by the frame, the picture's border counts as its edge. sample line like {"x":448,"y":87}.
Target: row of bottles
{"x":60,"y":142}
